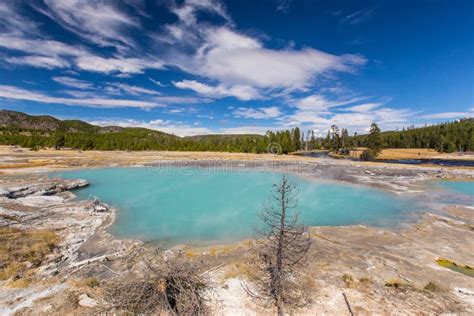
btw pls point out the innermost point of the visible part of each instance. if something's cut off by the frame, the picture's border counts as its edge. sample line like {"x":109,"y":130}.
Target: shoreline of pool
{"x":88,"y":247}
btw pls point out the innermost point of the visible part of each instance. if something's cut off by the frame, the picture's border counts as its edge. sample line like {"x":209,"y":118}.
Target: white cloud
{"x":223,"y":54}
{"x":283,"y":5}
{"x":300,"y":117}
{"x":314,"y":102}
{"x":73,"y":82}
{"x":175,"y":111}
{"x":315,"y":109}
{"x":39,"y":61}
{"x":449,"y":115}
{"x":39,"y":47}
{"x":250,"y":129}
{"x":13,"y":21}
{"x":237,"y":59}
{"x":386,"y":118}
{"x":219,"y":91}
{"x":14,"y":93}
{"x":109,"y":65}
{"x":176,"y":128}
{"x":241,"y":64}
{"x":133,"y":90}
{"x":320,"y":104}
{"x":54,"y":54}
{"x":157,"y":82}
{"x":366,"y":107}
{"x":80,"y":94}
{"x":317,"y":112}
{"x":97,"y":21}
{"x":187,"y":11}
{"x":209,"y":117}
{"x":180,"y":100}
{"x":260,"y":113}
{"x":358,"y":17}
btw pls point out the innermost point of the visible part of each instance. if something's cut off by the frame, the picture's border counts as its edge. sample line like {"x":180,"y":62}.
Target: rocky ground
{"x":380,"y":271}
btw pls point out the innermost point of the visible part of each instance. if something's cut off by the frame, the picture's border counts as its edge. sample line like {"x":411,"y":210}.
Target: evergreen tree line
{"x":138,"y":139}
{"x":445,"y":137}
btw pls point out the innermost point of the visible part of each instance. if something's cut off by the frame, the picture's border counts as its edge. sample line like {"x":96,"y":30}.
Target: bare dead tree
{"x":283,"y":248}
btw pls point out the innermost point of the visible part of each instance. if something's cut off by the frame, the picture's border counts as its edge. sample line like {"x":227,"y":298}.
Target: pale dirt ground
{"x":18,"y":160}
{"x":415,"y":153}
{"x":421,"y":153}
{"x":372,"y":257}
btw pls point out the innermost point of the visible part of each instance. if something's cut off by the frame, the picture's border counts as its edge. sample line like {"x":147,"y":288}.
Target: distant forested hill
{"x":25,"y":130}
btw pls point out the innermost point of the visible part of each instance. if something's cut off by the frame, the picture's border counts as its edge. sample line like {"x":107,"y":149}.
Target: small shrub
{"x":396,"y":283}
{"x":348,"y":280}
{"x":92,"y":282}
{"x":344,"y":151}
{"x":364,"y":280}
{"x":367,"y":155}
{"x":236,"y":271}
{"x":449,"y":147}
{"x":432,"y":287}
{"x":20,"y":283}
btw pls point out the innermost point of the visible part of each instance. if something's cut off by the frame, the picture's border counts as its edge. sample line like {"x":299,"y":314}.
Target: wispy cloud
{"x":157,"y":82}
{"x":39,"y":47}
{"x":320,"y":103}
{"x":219,"y":91}
{"x":366,"y":107}
{"x":176,"y":128}
{"x":319,"y":112}
{"x":39,"y":61}
{"x":97,"y":21}
{"x":259,"y":113}
{"x":358,"y":17}
{"x":449,"y":115}
{"x":247,"y":129}
{"x":131,"y":89}
{"x":73,"y":82}
{"x":221,"y":53}
{"x":283,"y":5}
{"x":53,"y":54}
{"x":110,"y":65}
{"x":13,"y":21}
{"x":15,"y":93}
{"x":240,"y":65}
{"x":181,"y":100}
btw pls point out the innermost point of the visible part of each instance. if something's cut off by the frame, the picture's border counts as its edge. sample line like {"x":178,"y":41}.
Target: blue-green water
{"x":192,"y":206}
{"x":462,"y":187}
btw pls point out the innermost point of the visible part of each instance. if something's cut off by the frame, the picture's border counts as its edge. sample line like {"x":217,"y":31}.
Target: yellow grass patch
{"x":20,"y":247}
{"x":24,"y":165}
{"x":410,"y":153}
{"x":237,"y":270}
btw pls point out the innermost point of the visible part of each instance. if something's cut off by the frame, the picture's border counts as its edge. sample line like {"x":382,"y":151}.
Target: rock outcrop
{"x":42,"y":188}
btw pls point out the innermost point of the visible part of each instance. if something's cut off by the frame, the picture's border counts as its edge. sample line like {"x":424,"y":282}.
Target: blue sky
{"x":207,"y":66}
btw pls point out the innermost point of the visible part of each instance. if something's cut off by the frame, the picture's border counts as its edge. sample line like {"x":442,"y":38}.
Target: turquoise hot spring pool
{"x":195,"y":206}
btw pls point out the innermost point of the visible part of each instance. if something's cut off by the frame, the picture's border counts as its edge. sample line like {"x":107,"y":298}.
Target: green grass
{"x":464,"y":269}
